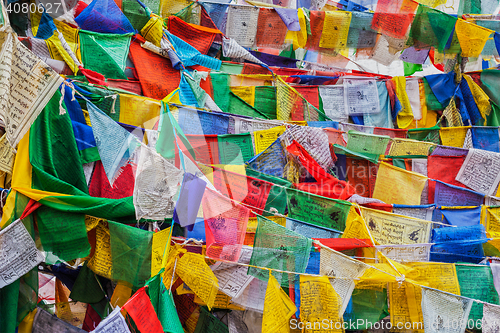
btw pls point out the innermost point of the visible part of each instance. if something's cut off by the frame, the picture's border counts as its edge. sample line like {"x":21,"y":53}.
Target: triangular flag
{"x":114,"y":143}
{"x":104,"y":16}
{"x":231,"y":49}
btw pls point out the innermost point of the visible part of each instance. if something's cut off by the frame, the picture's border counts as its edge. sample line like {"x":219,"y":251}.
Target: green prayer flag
{"x":240,"y":107}
{"x":235,"y":148}
{"x":86,"y":288}
{"x":476,"y":282}
{"x":8,"y":307}
{"x":277,"y":247}
{"x":317,"y":210}
{"x":208,"y":323}
{"x":63,"y":235}
{"x":431,"y":27}
{"x":131,"y":253}
{"x":220,"y":83}
{"x":169,"y":130}
{"x":493,"y":119}
{"x":430,"y":134}
{"x":167,"y":313}
{"x":410,"y":69}
{"x":265,"y":101}
{"x":136,"y":14}
{"x":368,"y":306}
{"x":105,"y":53}
{"x":430,"y":98}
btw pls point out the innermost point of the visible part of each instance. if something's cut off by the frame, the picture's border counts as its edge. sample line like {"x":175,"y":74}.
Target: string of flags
{"x":249,"y":166}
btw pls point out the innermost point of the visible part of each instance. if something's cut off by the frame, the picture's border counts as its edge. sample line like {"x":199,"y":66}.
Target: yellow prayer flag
{"x":71,"y":36}
{"x":491,"y":219}
{"x":196,"y":274}
{"x":319,"y":304}
{"x":389,"y":228}
{"x":209,"y":172}
{"x":222,"y":301}
{"x":63,"y":309}
{"x":26,"y":326}
{"x":405,"y":116}
{"x":377,"y":277}
{"x":245,"y":93}
{"x":171,"y":7}
{"x":158,"y":249}
{"x":442,"y":276}
{"x":7,"y":154}
{"x":298,"y":38}
{"x":402,"y":147}
{"x":170,"y":259}
{"x":153,"y":30}
{"x":472,"y":37}
{"x":385,"y":271}
{"x":58,"y":52}
{"x":480,"y":97}
{"x":405,"y":308}
{"x":453,"y":136}
{"x":431,"y":3}
{"x":236,"y":168}
{"x":263,"y":139}
{"x":356,"y":227}
{"x":253,"y":222}
{"x":397,"y":186}
{"x":405,"y":298}
{"x":335,"y":30}
{"x":452,"y":115}
{"x":101,"y":262}
{"x":121,"y":294}
{"x":429,"y":117}
{"x":278,"y":308}
{"x":91,"y":222}
{"x":139,"y":111}
{"x":491,"y":216}
{"x":184,"y":290}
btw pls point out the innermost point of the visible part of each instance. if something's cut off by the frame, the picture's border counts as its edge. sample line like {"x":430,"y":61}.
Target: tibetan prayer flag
{"x":140,"y":309}
{"x":392,"y":18}
{"x":276,"y":247}
{"x":472,"y":37}
{"x":397,"y":186}
{"x":278,"y":308}
{"x":225,"y":225}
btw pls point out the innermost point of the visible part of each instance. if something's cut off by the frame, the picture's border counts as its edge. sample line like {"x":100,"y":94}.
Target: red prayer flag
{"x":157,"y":76}
{"x":342,"y":244}
{"x":122,"y":187}
{"x":197,"y":38}
{"x":140,"y":309}
{"x":445,"y":169}
{"x":393,"y":17}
